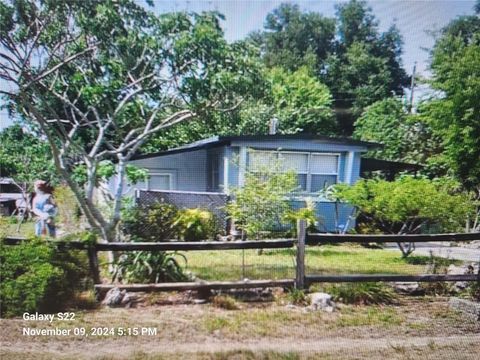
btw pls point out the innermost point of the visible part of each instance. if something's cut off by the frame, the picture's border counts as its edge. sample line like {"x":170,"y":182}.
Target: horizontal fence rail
{"x":203,"y":285}
{"x":315,"y":239}
{"x":309,"y":279}
{"x":168,"y":246}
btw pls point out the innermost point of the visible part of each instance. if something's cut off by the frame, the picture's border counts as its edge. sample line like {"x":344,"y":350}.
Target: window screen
{"x":324,"y":164}
{"x":259,"y":160}
{"x":296,"y":162}
{"x":159,"y":182}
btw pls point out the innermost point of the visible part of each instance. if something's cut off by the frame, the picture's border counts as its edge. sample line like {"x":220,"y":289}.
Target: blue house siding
{"x":188,"y":169}
{"x":327,"y":215}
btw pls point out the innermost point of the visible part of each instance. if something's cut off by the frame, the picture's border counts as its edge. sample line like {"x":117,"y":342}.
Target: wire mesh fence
{"x":236,"y":265}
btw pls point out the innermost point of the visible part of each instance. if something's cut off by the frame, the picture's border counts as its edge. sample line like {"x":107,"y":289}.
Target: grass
{"x":362,"y":293}
{"x":278,"y":264}
{"x":9,"y":228}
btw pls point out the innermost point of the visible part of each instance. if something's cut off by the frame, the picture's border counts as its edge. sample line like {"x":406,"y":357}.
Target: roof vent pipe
{"x":272,"y":126}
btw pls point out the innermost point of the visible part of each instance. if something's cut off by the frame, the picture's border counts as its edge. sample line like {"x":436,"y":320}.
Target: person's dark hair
{"x":45,"y":187}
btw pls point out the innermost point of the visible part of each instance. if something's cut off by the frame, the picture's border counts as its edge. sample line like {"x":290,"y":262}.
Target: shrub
{"x":362,"y":293}
{"x":148,"y":266}
{"x":298,"y":297}
{"x":152,"y":223}
{"x":262,"y":202}
{"x":308,"y":213}
{"x":196,"y":224}
{"x":38,"y":277}
{"x":225,"y":302}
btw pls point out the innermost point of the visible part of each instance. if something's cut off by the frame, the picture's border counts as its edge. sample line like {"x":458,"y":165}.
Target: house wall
{"x":332,"y":216}
{"x":188,"y":170}
{"x":193,"y":170}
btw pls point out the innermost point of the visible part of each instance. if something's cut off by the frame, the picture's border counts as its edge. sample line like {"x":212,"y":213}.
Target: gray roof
{"x":216,"y":141}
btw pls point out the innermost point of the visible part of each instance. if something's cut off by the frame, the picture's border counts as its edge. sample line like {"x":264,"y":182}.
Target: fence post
{"x":93,"y":261}
{"x":300,"y":269}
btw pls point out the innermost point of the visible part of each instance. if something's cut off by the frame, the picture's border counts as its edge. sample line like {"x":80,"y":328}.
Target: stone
{"x":465,"y":269}
{"x":408,"y":288}
{"x":114,"y":297}
{"x":322,"y":301}
{"x":468,"y":307}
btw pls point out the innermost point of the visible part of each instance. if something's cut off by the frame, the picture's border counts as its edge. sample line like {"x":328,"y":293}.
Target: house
{"x":10,"y":195}
{"x":210,"y":168}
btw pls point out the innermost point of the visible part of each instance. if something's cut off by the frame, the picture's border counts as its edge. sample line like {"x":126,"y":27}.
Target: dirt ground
{"x":415,"y":328}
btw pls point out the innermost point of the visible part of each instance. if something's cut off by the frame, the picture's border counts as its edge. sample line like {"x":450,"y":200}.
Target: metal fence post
{"x":300,"y":268}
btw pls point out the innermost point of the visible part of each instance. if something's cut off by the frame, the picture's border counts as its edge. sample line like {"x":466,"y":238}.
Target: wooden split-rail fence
{"x":301,"y":281}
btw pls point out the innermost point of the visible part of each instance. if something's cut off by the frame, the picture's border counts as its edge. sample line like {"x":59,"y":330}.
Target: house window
{"x":315,"y":171}
{"x":323,"y":171}
{"x":159,"y":181}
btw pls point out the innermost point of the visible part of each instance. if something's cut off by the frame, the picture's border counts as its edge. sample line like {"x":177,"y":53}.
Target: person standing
{"x":43,"y":206}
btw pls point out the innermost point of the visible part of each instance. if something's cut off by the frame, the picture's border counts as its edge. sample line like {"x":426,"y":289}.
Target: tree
{"x":24,"y":157}
{"x":405,"y":137}
{"x":301,"y":102}
{"x":366,"y":66}
{"x":408,"y":204}
{"x":293,"y":39}
{"x":98,"y":79}
{"x":455,"y":115}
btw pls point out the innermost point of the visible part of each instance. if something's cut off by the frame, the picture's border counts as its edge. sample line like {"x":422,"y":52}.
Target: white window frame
{"x":309,"y":173}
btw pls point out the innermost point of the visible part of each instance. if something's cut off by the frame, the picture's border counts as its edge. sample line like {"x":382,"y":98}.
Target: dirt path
{"x":460,"y":347}
{"x":416,"y":328}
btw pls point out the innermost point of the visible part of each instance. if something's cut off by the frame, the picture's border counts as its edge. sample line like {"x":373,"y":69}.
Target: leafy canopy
{"x":25,"y":157}
{"x":407,"y":204}
{"x":456,"y":115}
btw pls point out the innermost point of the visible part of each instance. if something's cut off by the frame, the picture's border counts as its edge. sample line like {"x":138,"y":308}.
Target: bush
{"x":154,"y":223}
{"x":225,"y":302}
{"x":148,"y":266}
{"x":196,"y":224}
{"x":362,"y":293}
{"x":298,"y":297}
{"x":38,"y":277}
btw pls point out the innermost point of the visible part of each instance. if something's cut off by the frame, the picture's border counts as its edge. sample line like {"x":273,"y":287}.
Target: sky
{"x":414,"y":18}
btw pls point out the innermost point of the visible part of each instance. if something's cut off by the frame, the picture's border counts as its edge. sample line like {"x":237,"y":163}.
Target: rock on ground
{"x":322,"y":301}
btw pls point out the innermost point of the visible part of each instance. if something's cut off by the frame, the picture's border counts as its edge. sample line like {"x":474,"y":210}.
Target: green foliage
{"x":38,"y":277}
{"x":308,"y":213}
{"x":364,"y":293}
{"x":301,"y":102}
{"x":297,"y":297}
{"x":196,"y":224}
{"x":407,"y":204}
{"x":153,"y":223}
{"x":359,"y":64}
{"x":261,"y":203}
{"x":25,"y":156}
{"x":455,"y":115}
{"x":109,"y":75}
{"x":148,"y":267}
{"x":68,"y":210}
{"x":293,"y":39}
{"x":405,"y":137}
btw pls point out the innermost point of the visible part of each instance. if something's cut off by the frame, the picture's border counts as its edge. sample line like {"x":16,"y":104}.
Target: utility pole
{"x":412,"y":86}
